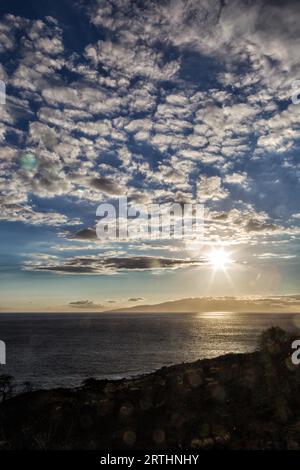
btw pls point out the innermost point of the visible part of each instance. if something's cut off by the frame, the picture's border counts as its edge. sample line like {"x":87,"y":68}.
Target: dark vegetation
{"x":237,"y":401}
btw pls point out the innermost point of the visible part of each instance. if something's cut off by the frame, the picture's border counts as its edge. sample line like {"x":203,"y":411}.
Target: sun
{"x":219,"y":259}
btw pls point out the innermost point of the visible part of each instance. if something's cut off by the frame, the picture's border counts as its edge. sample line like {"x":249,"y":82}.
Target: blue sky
{"x":175,"y":101}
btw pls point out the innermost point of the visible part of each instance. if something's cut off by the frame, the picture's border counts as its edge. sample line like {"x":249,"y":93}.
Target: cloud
{"x":236,"y":178}
{"x":257,"y":226}
{"x":85,"y":304}
{"x":266,"y":256}
{"x":179,"y":100}
{"x":85,"y":234}
{"x":122,"y":60}
{"x":210,"y":188}
{"x":105,"y":185}
{"x":109,"y":265}
{"x":23,"y":213}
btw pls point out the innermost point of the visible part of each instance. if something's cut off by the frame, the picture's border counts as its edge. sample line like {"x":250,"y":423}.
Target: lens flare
{"x":28,"y":161}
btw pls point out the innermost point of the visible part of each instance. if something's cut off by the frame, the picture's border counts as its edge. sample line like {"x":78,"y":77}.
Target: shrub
{"x":6,"y":386}
{"x":273,"y":340}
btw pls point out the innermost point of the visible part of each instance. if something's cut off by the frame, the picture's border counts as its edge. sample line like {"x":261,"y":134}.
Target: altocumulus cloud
{"x":194,"y":102}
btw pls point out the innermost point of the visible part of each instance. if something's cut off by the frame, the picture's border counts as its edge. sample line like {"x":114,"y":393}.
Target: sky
{"x":185,"y":101}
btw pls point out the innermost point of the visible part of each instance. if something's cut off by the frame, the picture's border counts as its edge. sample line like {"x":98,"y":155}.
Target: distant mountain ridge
{"x":276,"y":304}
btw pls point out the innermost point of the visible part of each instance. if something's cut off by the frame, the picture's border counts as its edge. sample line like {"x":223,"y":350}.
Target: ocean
{"x":54,"y":350}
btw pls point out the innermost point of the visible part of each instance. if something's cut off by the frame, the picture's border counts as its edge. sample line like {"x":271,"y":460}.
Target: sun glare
{"x":219,"y":259}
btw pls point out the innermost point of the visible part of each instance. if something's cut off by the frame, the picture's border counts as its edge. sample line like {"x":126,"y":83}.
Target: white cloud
{"x":210,"y":189}
{"x":236,"y":178}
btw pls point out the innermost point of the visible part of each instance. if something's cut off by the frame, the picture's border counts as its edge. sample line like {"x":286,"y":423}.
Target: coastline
{"x":235,"y":401}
